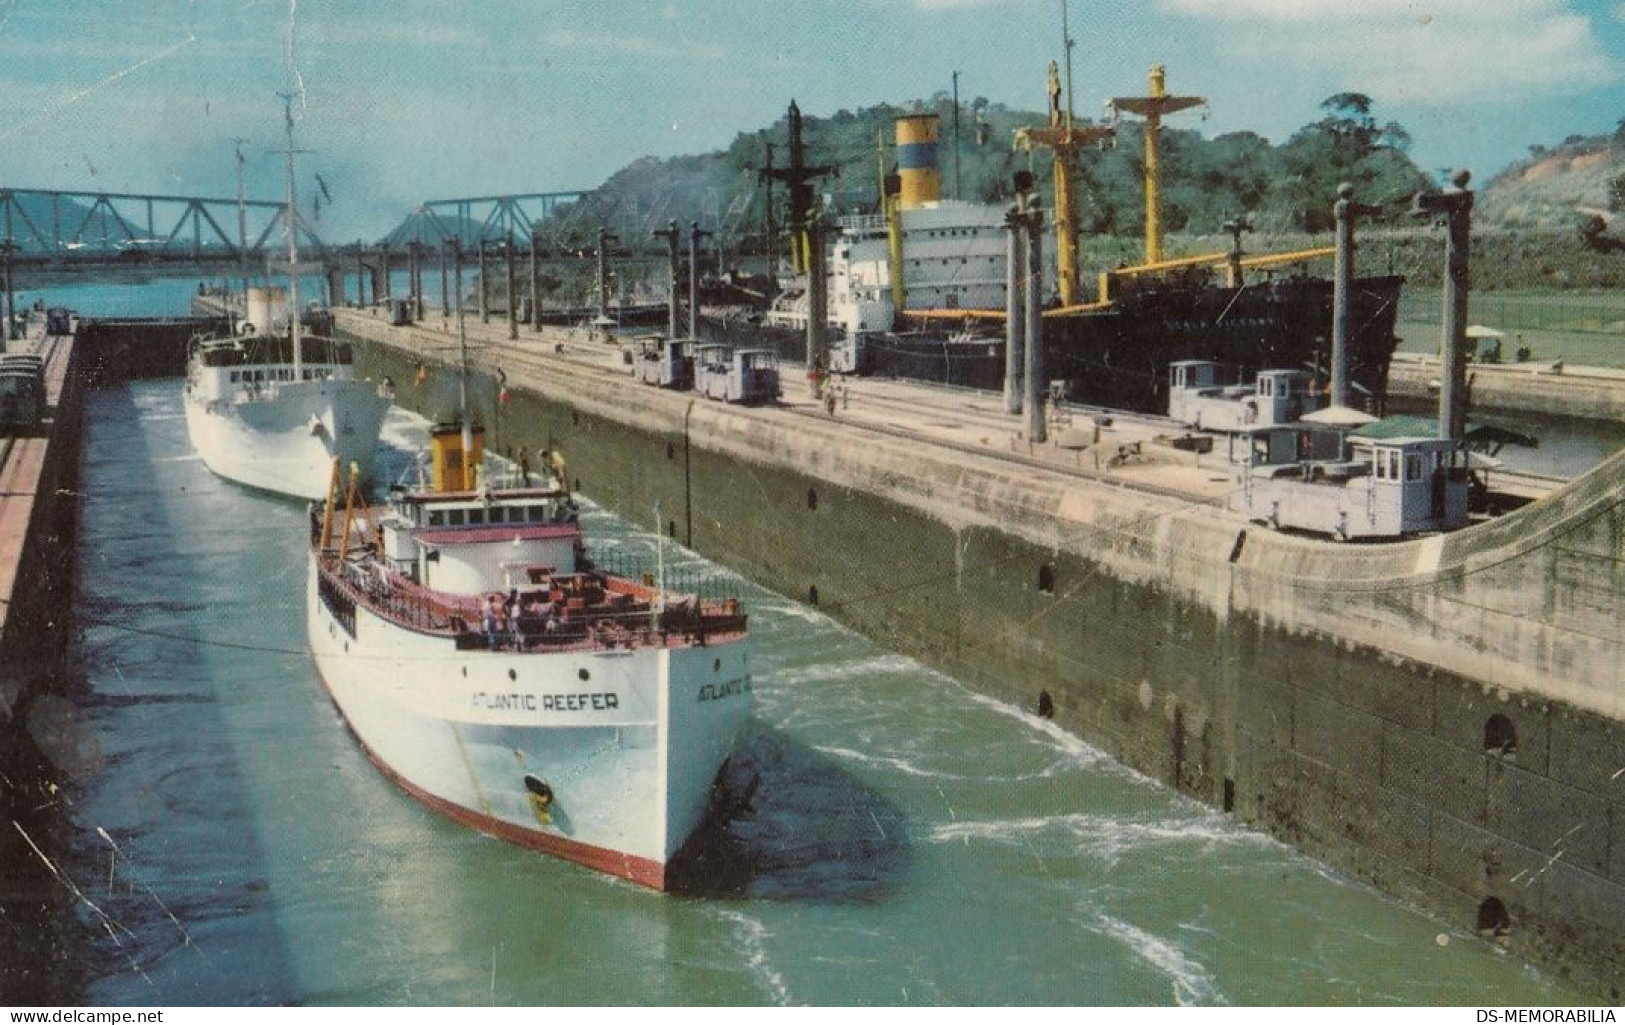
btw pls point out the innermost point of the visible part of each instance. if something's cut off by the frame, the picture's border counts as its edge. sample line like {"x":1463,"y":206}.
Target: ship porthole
{"x":513,"y":675}
{"x":582,"y":674}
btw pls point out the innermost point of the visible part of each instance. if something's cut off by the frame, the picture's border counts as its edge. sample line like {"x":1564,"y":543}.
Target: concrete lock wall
{"x":34,"y":629}
{"x":1440,"y":718}
{"x":1586,"y":392}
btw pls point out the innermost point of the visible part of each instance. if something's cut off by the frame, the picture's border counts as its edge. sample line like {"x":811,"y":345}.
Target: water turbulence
{"x":880,"y":835}
{"x":788,"y":823}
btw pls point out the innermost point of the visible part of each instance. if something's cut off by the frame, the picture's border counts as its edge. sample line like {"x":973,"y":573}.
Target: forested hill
{"x":1579,"y":182}
{"x":1283,"y":186}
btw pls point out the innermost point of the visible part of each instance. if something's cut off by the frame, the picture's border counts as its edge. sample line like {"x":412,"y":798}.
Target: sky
{"x":402,"y":101}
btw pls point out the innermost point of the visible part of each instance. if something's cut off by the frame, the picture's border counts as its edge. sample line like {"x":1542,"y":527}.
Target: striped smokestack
{"x":917,"y":160}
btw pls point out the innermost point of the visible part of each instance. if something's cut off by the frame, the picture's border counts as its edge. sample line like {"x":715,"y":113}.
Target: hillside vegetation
{"x":1287,"y":186}
{"x":1566,"y":186}
{"x":1550,"y":222}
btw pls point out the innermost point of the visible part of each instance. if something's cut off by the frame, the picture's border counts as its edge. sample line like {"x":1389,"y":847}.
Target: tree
{"x":1348,"y":115}
{"x":1347,"y":144}
{"x":1394,"y":136}
{"x":1593,"y":233}
{"x":1349,"y":122}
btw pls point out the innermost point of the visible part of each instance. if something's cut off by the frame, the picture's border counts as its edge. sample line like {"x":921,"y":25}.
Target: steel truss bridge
{"x":53,"y":227}
{"x":480,"y":219}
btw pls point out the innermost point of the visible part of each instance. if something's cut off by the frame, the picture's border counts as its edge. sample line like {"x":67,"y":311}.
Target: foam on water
{"x":908,"y":768}
{"x":1052,"y":735}
{"x":1192,"y":983}
{"x":1104,"y":837}
{"x":796,"y":610}
{"x":895,"y":834}
{"x":752,"y":936}
{"x":852,"y":669}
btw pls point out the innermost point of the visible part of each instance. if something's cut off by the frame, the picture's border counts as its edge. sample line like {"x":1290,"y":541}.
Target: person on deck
{"x":492,"y":621}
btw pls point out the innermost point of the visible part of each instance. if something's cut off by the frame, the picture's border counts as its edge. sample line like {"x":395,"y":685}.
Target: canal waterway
{"x":907,"y":841}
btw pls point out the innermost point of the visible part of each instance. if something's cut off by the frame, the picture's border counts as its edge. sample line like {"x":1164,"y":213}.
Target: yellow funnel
{"x":450,"y":470}
{"x":917,"y":160}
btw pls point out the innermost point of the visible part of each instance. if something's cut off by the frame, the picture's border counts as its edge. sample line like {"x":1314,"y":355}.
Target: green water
{"x":908,"y":842}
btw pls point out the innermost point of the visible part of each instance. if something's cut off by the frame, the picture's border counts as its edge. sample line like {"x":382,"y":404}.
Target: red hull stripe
{"x":642,"y":871}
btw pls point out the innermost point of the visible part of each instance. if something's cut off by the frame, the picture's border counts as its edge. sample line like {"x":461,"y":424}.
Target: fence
{"x":1510,"y":312}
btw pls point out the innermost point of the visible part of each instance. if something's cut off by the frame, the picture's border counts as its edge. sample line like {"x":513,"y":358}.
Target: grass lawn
{"x":1586,"y":328}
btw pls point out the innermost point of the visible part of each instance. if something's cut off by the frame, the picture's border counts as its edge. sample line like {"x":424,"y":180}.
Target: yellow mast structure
{"x":1152,"y":108}
{"x":1064,"y":139}
{"x":891,"y":202}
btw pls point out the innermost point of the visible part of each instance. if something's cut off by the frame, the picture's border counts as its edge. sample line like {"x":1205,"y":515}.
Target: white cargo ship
{"x":271,"y":409}
{"x":259,"y":417}
{"x":499,"y":676}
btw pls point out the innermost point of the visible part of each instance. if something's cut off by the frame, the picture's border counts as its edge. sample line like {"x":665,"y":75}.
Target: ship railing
{"x":604,"y":629}
{"x":624,"y":619}
{"x":678,"y":580}
{"x":386,"y":597}
{"x":861,"y":223}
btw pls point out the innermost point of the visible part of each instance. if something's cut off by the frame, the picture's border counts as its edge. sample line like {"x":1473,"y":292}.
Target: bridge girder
{"x":62,"y":225}
{"x":478,"y":219}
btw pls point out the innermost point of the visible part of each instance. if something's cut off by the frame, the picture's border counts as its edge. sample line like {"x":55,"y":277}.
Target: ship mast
{"x":1066,"y":53}
{"x":462,"y":361}
{"x":1152,"y":108}
{"x":242,"y":223}
{"x":798,"y":177}
{"x":293,"y":244}
{"x":1064,"y":139}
